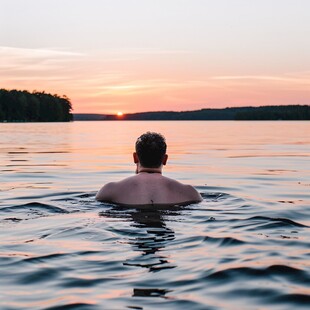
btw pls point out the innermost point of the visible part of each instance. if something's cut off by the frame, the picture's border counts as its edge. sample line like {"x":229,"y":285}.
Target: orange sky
{"x":192,"y":55}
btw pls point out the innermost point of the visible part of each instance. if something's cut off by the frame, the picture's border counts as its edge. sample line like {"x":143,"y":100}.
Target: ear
{"x":165,"y":159}
{"x":135,"y":157}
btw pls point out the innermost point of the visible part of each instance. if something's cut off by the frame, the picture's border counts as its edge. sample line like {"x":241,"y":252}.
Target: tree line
{"x":23,"y":106}
{"x":287,"y":112}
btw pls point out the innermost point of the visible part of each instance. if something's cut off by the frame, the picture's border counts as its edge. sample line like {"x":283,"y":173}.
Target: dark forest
{"x":23,"y":106}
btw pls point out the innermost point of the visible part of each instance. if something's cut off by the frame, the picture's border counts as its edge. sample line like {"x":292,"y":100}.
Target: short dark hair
{"x":151,"y":148}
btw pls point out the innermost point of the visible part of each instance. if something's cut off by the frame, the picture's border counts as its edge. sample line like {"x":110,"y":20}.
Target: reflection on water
{"x":152,"y":235}
{"x":246,"y":246}
{"x":137,"y":292}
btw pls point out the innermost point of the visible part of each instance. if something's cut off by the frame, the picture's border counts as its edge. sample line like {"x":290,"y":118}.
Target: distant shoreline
{"x":262,"y":113}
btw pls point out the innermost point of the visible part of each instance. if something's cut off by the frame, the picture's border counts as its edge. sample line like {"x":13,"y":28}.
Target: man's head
{"x":151,"y":150}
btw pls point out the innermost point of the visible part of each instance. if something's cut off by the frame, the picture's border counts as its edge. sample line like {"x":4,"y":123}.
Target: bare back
{"x":148,"y":189}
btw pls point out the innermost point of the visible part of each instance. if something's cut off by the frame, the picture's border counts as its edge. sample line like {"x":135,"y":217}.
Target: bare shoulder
{"x":192,"y":193}
{"x":188,"y":191}
{"x":107,"y":192}
{"x":111,"y":191}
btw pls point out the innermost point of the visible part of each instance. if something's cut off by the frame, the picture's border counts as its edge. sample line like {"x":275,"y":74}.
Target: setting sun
{"x":120,"y":113}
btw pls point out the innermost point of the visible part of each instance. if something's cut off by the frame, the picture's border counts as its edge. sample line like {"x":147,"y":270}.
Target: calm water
{"x":246,"y":246}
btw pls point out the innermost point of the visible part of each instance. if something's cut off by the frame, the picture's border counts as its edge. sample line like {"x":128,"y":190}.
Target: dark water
{"x":246,"y":246}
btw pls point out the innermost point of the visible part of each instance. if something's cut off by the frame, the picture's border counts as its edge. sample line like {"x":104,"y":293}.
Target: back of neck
{"x":149,"y":170}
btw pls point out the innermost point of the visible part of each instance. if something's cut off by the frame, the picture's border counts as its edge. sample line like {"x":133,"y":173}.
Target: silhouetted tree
{"x":23,"y":106}
{"x":288,"y":112}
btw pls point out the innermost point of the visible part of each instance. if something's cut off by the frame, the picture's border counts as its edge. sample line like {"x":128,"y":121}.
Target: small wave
{"x":86,"y":195}
{"x":78,"y":282}
{"x":256,"y":292}
{"x":37,"y":206}
{"x":73,"y":306}
{"x":45,"y":258}
{"x":215,"y":196}
{"x":48,"y":195}
{"x":276,"y":222}
{"x":42,"y":275}
{"x":286,"y":272}
{"x":293,"y":300}
{"x":226,"y":241}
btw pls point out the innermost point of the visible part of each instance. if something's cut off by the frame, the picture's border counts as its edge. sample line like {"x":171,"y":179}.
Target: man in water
{"x":149,"y":186}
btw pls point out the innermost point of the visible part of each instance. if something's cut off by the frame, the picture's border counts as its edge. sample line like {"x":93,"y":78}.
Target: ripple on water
{"x":34,"y":206}
{"x":212,"y":255}
{"x":245,"y":273}
{"x":225,"y":242}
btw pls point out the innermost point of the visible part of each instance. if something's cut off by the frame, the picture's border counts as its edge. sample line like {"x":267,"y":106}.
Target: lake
{"x":246,"y":246}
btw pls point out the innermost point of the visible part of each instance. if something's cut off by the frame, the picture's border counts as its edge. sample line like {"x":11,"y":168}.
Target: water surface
{"x":246,"y":246}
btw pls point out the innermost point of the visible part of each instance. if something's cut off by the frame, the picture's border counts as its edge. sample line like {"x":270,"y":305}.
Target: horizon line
{"x":180,"y":111}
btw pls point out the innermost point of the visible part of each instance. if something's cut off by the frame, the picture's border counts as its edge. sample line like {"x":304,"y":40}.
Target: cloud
{"x":127,"y":87}
{"x":23,"y":59}
{"x":141,"y":79}
{"x":302,"y":77}
{"x":35,"y":52}
{"x":147,"y":51}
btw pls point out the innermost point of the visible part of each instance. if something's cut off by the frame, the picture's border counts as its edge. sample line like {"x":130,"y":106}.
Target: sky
{"x":129,"y":56}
